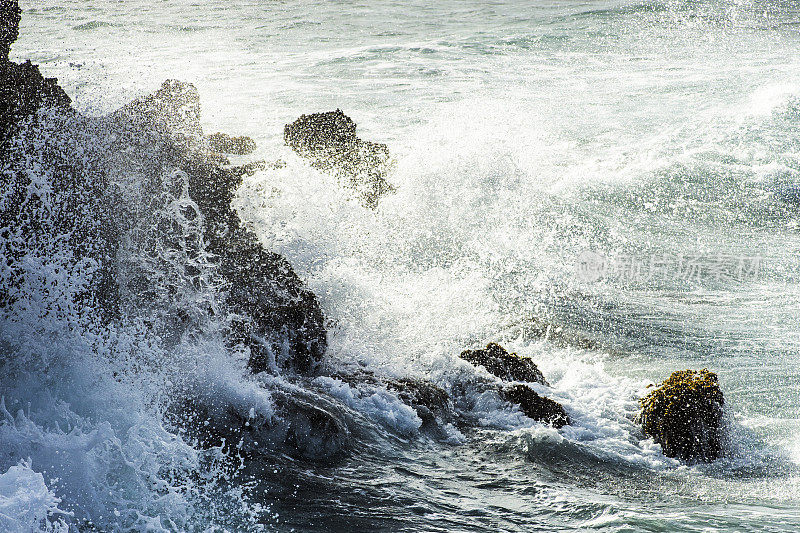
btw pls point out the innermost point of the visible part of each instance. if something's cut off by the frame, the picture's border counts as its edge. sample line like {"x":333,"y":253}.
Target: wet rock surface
{"x":276,"y":316}
{"x":684,"y":414}
{"x":506,"y":366}
{"x":329,"y":140}
{"x":535,"y":406}
{"x":9,"y":26}
{"x":430,"y":401}
{"x":512,"y":367}
{"x":120,"y":178}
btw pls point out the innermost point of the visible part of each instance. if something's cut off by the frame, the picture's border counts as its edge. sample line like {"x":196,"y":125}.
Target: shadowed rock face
{"x":277,"y":317}
{"x":535,"y":406}
{"x":68,"y":215}
{"x":684,"y":415}
{"x":329,"y":140}
{"x":504,"y":365}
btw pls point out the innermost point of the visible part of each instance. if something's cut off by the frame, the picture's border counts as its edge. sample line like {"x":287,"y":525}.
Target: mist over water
{"x":522,"y":137}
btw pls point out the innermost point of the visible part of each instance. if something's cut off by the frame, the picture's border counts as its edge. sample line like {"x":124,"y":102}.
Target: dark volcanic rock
{"x":173,"y":110}
{"x":329,"y":140}
{"x":281,"y":320}
{"x":52,"y":187}
{"x":684,"y":415}
{"x":227,"y":144}
{"x":23,"y":91}
{"x":535,"y":406}
{"x":506,"y":366}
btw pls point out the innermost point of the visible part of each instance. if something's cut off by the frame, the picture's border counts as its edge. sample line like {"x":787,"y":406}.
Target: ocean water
{"x":657,"y":142}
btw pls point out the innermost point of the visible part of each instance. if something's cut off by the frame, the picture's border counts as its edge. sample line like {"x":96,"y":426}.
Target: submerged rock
{"x":684,"y":415}
{"x":504,"y":365}
{"x":227,"y":144}
{"x":535,"y":406}
{"x":329,"y":140}
{"x":300,"y":424}
{"x":428,"y":399}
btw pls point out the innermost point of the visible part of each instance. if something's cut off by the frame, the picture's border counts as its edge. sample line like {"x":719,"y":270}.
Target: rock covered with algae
{"x":684,"y":415}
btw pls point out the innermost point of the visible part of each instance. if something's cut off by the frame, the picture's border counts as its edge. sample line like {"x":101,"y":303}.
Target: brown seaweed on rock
{"x":684,"y":414}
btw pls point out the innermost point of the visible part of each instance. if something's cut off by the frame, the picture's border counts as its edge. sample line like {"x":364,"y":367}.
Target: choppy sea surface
{"x":626,"y":170}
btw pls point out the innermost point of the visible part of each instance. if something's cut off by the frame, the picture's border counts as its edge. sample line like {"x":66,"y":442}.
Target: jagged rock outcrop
{"x":63,"y":212}
{"x":275,"y":315}
{"x":75,"y":188}
{"x":506,"y":366}
{"x":329,"y":140}
{"x":684,"y":414}
{"x":535,"y":406}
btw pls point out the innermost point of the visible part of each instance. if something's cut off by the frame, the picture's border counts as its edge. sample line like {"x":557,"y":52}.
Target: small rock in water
{"x":504,"y":365}
{"x":535,"y":406}
{"x":227,"y":144}
{"x":427,"y":398}
{"x":684,"y":415}
{"x":329,"y":140}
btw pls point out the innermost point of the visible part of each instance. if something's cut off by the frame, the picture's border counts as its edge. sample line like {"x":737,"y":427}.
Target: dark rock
{"x":535,"y":406}
{"x":9,"y":26}
{"x":274,"y":315}
{"x":329,"y":140}
{"x":68,"y":215}
{"x":226,"y":144}
{"x":303,"y":426}
{"x":506,"y":366}
{"x":23,"y":91}
{"x":280,"y":320}
{"x":684,"y":415}
{"x":428,"y":399}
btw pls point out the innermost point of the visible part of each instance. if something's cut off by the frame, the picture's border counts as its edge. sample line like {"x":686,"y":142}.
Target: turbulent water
{"x":656,"y":142}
